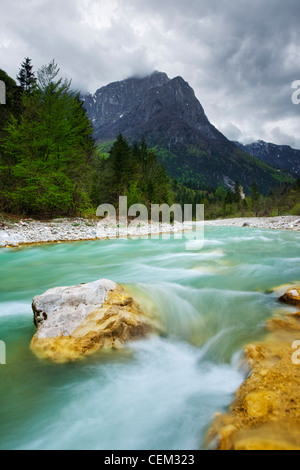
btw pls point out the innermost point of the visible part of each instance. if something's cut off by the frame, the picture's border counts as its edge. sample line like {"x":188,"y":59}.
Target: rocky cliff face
{"x":129,"y":106}
{"x":168,"y":115}
{"x":109,"y":107}
{"x":279,"y":156}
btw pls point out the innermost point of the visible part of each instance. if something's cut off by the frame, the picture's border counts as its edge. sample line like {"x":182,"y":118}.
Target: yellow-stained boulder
{"x":291,"y":323}
{"x":260,"y":404}
{"x":291,"y":297}
{"x":265,"y":414}
{"x":77,"y":321}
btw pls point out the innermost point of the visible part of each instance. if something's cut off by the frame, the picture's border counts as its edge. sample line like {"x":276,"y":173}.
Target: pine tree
{"x":237,"y":193}
{"x":255,"y":197}
{"x":122,"y":161}
{"x":26,"y":76}
{"x":132,"y":171}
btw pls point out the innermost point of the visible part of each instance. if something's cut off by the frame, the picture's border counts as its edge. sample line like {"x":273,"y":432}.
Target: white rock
{"x":60,"y":310}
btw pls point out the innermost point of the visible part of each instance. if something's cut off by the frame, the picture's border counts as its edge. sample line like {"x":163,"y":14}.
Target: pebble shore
{"x":288,"y":222}
{"x":29,"y":231}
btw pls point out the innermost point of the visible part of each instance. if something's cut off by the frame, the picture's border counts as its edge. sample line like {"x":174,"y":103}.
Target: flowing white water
{"x":159,"y":393}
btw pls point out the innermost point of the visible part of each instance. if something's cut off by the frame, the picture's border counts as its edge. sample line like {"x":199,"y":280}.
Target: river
{"x":160,"y":393}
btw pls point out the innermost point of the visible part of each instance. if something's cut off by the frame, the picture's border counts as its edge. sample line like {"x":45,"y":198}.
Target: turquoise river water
{"x":160,"y":393}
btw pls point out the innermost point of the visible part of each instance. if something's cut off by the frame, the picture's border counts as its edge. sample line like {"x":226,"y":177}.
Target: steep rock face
{"x":168,"y":115}
{"x":130,"y":106}
{"x":279,"y":156}
{"x":109,"y":107}
{"x":77,"y":321}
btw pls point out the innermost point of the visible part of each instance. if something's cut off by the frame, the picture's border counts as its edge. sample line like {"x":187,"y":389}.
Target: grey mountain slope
{"x":115,"y":101}
{"x":279,"y":156}
{"x":168,"y":115}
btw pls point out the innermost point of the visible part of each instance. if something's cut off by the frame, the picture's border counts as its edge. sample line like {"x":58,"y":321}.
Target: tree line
{"x":51,"y":166}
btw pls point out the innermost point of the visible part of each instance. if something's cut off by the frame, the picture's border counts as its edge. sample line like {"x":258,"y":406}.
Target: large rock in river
{"x":77,"y":321}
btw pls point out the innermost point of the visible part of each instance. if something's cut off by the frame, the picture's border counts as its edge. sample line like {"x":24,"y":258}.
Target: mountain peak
{"x":180,"y":80}
{"x":154,"y":77}
{"x":130,"y":105}
{"x":169,"y":116}
{"x":157,"y":72}
{"x":279,"y":156}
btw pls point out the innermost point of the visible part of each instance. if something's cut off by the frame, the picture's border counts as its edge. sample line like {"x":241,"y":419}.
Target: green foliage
{"x":197,"y":165}
{"x":47,"y":74}
{"x":221,"y":193}
{"x":134,"y":194}
{"x":283,"y":199}
{"x":132,"y":171}
{"x":47,"y":153}
{"x":296,"y":209}
{"x":255,"y":198}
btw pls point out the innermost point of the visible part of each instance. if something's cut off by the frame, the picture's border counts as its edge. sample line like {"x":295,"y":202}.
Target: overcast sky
{"x":240,"y":56}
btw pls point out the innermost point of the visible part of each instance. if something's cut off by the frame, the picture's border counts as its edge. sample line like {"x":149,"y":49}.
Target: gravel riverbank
{"x":29,"y":231}
{"x":288,"y":222}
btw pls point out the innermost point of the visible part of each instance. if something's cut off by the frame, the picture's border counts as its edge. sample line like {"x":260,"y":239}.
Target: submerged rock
{"x":77,"y":321}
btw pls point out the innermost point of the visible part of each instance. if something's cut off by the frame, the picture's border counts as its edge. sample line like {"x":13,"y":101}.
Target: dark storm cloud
{"x":240,"y":56}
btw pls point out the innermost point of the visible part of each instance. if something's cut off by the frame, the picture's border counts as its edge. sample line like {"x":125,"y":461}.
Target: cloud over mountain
{"x":240,"y":56}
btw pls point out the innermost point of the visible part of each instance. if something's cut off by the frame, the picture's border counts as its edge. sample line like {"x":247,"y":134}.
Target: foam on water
{"x":14,"y":309}
{"x":162,"y":399}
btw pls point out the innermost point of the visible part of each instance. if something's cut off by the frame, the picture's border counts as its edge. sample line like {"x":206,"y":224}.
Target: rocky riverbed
{"x":29,"y":231}
{"x":288,"y":222}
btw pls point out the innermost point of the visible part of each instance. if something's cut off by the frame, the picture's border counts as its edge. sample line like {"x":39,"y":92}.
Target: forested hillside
{"x":47,"y":148}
